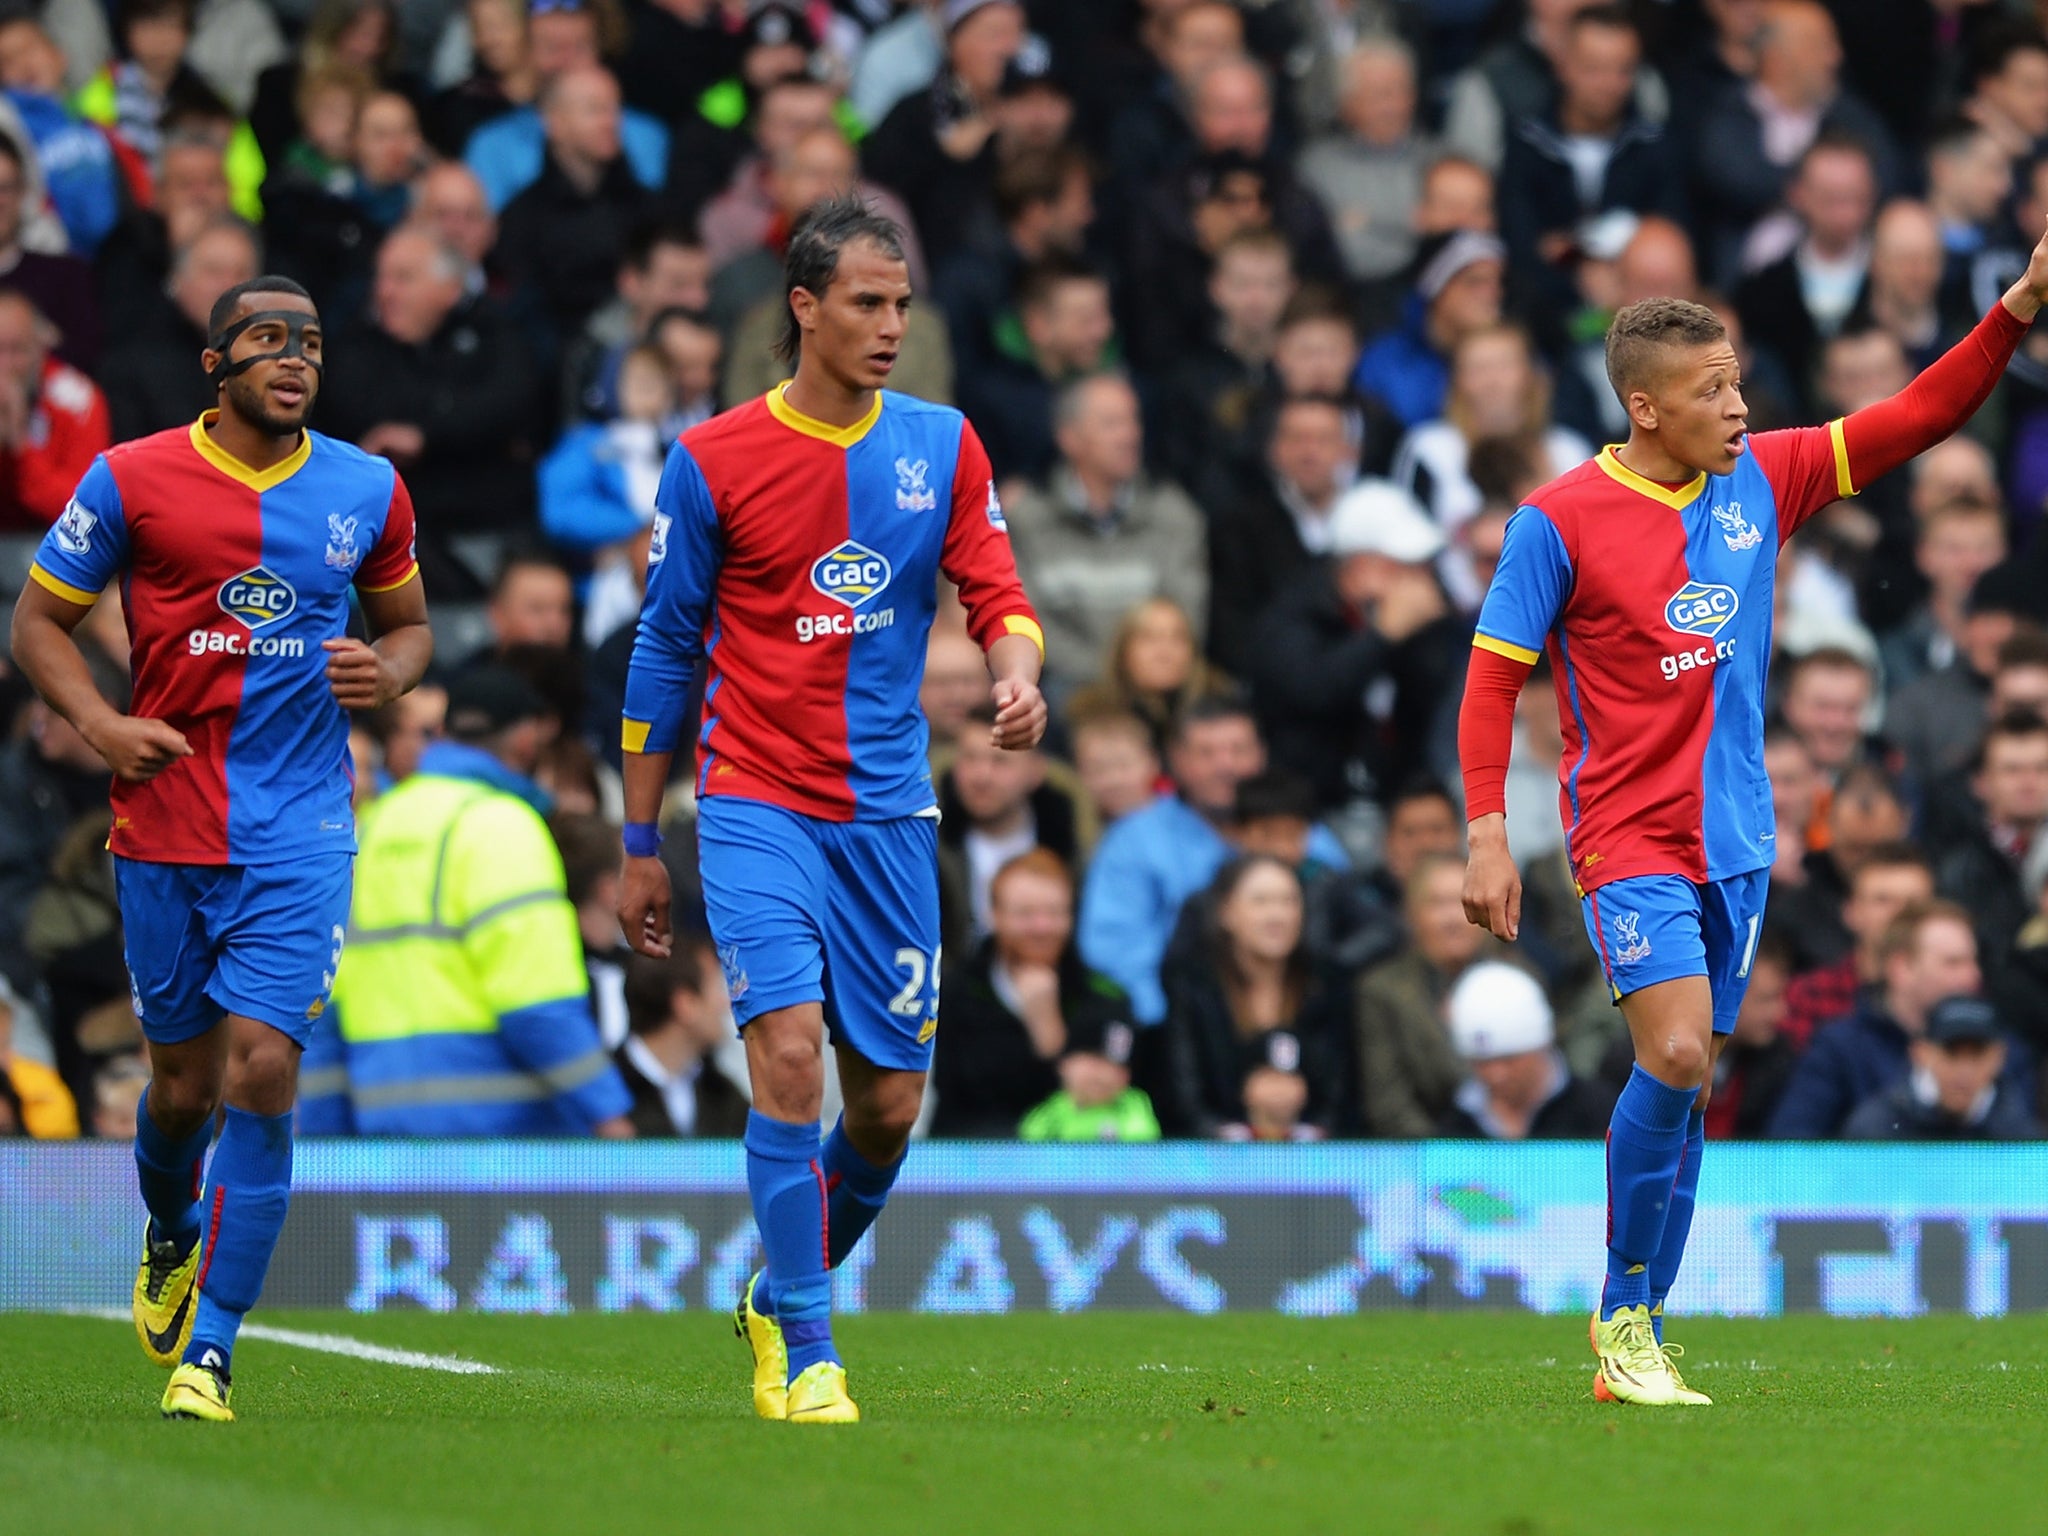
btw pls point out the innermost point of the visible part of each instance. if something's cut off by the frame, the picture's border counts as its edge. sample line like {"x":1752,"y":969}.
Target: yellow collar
{"x":1677,"y":500}
{"x":235,"y":469}
{"x":824,"y":432}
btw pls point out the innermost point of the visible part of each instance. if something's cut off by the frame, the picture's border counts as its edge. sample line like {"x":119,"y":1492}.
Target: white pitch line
{"x":342,"y":1344}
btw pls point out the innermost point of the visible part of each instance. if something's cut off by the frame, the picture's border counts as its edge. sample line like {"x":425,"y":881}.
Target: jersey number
{"x":908,"y":1003}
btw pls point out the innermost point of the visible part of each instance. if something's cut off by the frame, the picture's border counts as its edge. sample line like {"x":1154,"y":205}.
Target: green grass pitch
{"x":1120,"y":1423}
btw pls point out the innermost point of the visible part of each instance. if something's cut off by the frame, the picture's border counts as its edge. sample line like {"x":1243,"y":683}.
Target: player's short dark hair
{"x":1273,"y":794}
{"x":824,"y":230}
{"x":590,"y":849}
{"x":222,"y":314}
{"x":1032,"y":178}
{"x":1644,"y":334}
{"x":1209,"y":709}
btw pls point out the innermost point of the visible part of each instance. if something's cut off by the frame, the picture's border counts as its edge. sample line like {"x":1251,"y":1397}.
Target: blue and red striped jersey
{"x":231,"y":578}
{"x":1655,"y":605}
{"x":799,"y":563}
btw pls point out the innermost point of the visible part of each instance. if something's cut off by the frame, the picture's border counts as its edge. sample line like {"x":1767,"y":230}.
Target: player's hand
{"x":643,"y":906}
{"x":137,"y":747}
{"x":1493,"y":886}
{"x":1020,"y":715}
{"x":359,"y":676}
{"x":2026,"y":296}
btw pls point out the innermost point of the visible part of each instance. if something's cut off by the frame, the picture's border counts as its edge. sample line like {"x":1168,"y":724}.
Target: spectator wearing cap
{"x":1458,"y":281}
{"x":53,"y":419}
{"x":150,"y":381}
{"x":1590,"y":151}
{"x":1267,"y":537}
{"x":1251,"y":1003}
{"x":936,"y":147}
{"x":1927,"y":954}
{"x":1100,"y":535}
{"x":1096,"y":1101}
{"x":509,"y":152}
{"x":676,"y":1017}
{"x":1369,"y":173}
{"x":1937,"y":720}
{"x":1520,"y":1088}
{"x":1955,"y":1090}
{"x":1018,"y":1002}
{"x":463,"y":1008}
{"x":1350,"y":667}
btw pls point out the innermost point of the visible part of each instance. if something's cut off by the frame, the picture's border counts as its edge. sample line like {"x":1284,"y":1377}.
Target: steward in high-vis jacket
{"x":461,"y":1007}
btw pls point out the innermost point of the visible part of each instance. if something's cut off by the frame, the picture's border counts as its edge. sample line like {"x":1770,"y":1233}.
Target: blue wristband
{"x":643,"y":839}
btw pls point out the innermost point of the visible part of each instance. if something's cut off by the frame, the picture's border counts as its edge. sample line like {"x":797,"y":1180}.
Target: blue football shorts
{"x":843,"y":913}
{"x":260,"y":940}
{"x":1652,"y":928}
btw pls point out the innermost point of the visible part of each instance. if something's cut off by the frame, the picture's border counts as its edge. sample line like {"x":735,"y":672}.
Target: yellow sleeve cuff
{"x":63,"y":589}
{"x":391,"y":586}
{"x":1018,"y":624}
{"x":633,"y":735}
{"x":1519,"y":653}
{"x":1844,"y":485}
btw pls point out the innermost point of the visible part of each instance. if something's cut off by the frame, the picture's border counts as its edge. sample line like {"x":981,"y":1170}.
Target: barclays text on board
{"x":1308,"y":1231}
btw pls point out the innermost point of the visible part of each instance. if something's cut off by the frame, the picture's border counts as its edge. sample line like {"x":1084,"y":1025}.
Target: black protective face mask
{"x":295,"y":320}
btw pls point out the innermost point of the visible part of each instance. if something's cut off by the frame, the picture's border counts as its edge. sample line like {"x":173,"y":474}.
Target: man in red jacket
{"x":53,"y":419}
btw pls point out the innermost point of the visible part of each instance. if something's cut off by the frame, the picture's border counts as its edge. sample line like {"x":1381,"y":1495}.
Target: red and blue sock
{"x":1678,"y":1221}
{"x":1645,"y":1144}
{"x":856,"y":1191}
{"x":248,"y":1191}
{"x":786,"y":1179}
{"x":168,"y":1170}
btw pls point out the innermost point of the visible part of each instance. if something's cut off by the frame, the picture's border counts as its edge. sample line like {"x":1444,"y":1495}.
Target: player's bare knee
{"x":181,"y":1102}
{"x":1678,"y":1059}
{"x":263,"y":1075}
{"x":879,"y":1125}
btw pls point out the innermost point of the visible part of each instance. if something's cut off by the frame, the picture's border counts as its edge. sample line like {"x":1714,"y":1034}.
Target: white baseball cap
{"x":1498,"y":1010}
{"x":1377,"y":517}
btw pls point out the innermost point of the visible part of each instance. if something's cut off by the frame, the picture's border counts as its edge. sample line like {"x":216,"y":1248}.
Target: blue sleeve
{"x":682,"y":575}
{"x":1122,"y":932}
{"x":1324,"y":848}
{"x":583,"y":503}
{"x":1529,"y":587}
{"x":645,"y":140}
{"x":557,"y":1042}
{"x":88,"y":544}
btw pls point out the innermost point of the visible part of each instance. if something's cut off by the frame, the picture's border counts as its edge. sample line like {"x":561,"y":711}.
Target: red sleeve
{"x":976,"y":557}
{"x":1486,"y":728}
{"x":1813,"y":466}
{"x":391,"y":560}
{"x":79,"y":431}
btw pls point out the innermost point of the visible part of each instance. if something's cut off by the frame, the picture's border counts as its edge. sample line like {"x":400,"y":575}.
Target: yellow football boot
{"x":166,"y":1297}
{"x":818,"y":1396}
{"x":1633,"y":1367}
{"x":196,"y":1392}
{"x":771,"y":1359}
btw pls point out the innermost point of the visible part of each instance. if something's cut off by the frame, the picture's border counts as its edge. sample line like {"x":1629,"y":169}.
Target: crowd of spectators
{"x":1270,"y":315}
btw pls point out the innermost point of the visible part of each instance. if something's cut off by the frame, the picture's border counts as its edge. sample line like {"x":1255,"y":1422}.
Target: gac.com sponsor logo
{"x":258,"y":598}
{"x":228,"y":642}
{"x":809,"y":628}
{"x":1691,"y":661}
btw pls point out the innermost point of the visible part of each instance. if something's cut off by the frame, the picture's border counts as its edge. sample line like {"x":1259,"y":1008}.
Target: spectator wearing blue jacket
{"x":507,"y":153}
{"x":1458,"y":281}
{"x":1927,"y":954}
{"x":597,"y":484}
{"x":78,"y":162}
{"x":1149,"y":863}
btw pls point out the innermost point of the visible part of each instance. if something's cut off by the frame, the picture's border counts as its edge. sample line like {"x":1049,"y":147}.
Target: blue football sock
{"x":168,"y":1171}
{"x":787,"y":1184}
{"x":1645,"y":1141}
{"x":1678,"y":1222}
{"x":856,"y":1190}
{"x":248,"y":1190}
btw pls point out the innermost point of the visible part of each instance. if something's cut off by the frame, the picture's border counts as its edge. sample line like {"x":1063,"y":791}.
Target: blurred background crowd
{"x":1270,"y":312}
